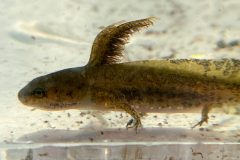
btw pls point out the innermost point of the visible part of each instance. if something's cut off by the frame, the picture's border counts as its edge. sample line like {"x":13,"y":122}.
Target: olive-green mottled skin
{"x":140,"y":86}
{"x":169,"y":83}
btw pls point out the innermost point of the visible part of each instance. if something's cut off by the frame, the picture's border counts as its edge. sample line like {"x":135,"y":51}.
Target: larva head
{"x":56,"y":91}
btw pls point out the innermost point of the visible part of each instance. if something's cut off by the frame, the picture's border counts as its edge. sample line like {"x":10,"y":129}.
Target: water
{"x":40,"y":37}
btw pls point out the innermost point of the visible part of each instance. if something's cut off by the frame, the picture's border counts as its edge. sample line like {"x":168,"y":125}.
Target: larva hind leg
{"x":135,"y":122}
{"x":204,"y":117}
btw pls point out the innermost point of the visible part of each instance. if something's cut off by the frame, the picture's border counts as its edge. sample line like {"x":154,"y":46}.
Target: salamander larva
{"x":105,"y":84}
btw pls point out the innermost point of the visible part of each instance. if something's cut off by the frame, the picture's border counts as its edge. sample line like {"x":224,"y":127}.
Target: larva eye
{"x":39,"y":92}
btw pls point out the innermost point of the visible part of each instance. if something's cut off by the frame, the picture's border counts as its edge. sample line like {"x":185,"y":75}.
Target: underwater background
{"x":41,"y":37}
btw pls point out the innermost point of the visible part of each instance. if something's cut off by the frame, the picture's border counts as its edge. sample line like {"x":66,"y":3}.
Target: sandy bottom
{"x":40,"y":37}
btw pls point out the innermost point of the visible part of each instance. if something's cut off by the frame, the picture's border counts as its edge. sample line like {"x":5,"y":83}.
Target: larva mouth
{"x":22,"y":97}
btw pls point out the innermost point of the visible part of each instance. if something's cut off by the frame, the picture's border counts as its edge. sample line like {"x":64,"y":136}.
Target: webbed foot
{"x":204,"y":119}
{"x":205,"y":112}
{"x":135,"y":122}
{"x":132,"y":123}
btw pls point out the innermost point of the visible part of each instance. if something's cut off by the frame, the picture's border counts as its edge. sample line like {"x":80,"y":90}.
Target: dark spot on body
{"x":218,"y":64}
{"x":130,"y":94}
{"x":178,"y":61}
{"x":69,"y":94}
{"x":204,"y":63}
{"x":55,"y":90}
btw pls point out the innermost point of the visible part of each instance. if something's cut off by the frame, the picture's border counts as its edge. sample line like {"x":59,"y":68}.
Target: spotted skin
{"x":138,"y":87}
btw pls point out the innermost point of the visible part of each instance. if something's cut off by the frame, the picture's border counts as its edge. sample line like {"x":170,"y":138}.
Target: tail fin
{"x":108,"y":45}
